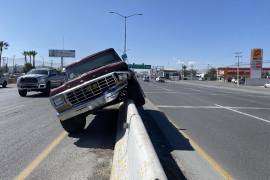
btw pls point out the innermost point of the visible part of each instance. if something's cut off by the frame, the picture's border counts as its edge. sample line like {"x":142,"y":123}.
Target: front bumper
{"x":31,"y":86}
{"x":100,"y":101}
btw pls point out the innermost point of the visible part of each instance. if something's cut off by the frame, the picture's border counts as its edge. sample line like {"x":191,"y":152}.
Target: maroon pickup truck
{"x":94,"y":82}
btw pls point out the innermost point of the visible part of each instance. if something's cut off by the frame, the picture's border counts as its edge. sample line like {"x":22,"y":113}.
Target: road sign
{"x":61,"y":53}
{"x":139,"y":66}
{"x":124,"y":56}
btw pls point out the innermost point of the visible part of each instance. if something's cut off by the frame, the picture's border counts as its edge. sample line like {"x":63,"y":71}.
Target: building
{"x":228,"y":73}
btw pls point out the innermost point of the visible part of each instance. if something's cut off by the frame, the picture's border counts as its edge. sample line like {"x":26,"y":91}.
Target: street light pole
{"x":125,"y":18}
{"x":237,"y":55}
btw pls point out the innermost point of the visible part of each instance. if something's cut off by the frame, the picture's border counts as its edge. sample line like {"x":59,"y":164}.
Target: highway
{"x":34,"y":145}
{"x":232,"y":127}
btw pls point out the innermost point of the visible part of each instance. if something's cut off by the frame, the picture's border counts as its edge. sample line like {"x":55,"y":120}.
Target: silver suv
{"x":42,"y":79}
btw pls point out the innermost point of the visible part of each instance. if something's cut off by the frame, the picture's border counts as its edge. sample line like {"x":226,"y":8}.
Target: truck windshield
{"x":86,"y":66}
{"x":38,"y":71}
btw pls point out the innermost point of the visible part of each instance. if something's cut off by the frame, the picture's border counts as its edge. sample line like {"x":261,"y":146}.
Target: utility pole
{"x":51,"y":63}
{"x":13,"y":63}
{"x":192,"y":71}
{"x":238,"y":56}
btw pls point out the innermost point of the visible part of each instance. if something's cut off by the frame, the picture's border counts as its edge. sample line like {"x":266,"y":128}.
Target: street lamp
{"x":125,"y":17}
{"x":238,"y":55}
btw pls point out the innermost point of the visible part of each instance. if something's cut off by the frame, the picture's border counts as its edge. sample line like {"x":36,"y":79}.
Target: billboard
{"x":256,"y":61}
{"x":256,"y":54}
{"x":61,"y":53}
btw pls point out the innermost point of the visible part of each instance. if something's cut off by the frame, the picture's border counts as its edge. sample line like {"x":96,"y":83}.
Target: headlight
{"x":122,"y":76}
{"x":42,"y":80}
{"x":59,"y":101}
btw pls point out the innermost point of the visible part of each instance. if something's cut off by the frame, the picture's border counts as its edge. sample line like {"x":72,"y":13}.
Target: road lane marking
{"x":246,"y":114}
{"x":213,"y":107}
{"x":161,"y":87}
{"x":34,"y":164}
{"x":218,"y":168}
{"x":10,"y":109}
{"x":192,"y":89}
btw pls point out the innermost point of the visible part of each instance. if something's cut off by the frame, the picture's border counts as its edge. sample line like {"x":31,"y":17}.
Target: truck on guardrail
{"x":41,"y":79}
{"x":94,"y":82}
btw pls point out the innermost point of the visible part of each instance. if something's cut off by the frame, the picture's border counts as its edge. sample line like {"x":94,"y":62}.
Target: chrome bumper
{"x":104,"y":99}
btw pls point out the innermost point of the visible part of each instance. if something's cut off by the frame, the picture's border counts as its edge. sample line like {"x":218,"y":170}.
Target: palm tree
{"x":34,"y":53}
{"x":25,"y":53}
{"x":3,"y":45}
{"x":29,"y":53}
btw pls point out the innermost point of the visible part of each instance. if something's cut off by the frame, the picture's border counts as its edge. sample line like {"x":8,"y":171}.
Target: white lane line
{"x":11,"y":109}
{"x":213,"y":107}
{"x":197,"y":90}
{"x":161,"y":87}
{"x":189,"y":107}
{"x":246,"y":114}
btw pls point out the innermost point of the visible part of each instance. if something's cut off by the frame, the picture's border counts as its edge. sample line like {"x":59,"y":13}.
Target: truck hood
{"x":119,"y":66}
{"x":34,"y":75}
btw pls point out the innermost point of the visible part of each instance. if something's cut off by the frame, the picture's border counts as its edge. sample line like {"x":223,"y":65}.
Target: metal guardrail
{"x":134,"y":154}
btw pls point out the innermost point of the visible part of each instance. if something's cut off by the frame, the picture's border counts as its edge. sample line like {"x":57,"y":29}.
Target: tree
{"x":211,"y":74}
{"x":184,"y":70}
{"x":34,"y":53}
{"x":27,"y":67}
{"x":29,"y":53}
{"x":25,"y":54}
{"x":3,"y":45}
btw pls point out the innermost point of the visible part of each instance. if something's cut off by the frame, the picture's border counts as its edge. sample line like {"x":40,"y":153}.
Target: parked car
{"x":233,"y":80}
{"x":3,"y":81}
{"x":94,"y":82}
{"x":146,"y":78}
{"x":267,"y":85}
{"x":160,"y":79}
{"x":42,"y":79}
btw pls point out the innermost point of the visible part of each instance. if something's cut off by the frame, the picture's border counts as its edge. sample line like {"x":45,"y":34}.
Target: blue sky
{"x":205,"y":32}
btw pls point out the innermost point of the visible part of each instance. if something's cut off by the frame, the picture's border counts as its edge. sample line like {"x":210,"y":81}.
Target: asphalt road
{"x":29,"y":129}
{"x":233,"y":127}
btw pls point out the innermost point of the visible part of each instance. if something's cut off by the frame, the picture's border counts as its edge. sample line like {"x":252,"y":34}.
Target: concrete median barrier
{"x":134,"y":155}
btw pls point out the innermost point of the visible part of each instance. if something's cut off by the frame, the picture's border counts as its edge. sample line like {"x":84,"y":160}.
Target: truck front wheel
{"x":4,"y":84}
{"x":74,"y":125}
{"x":22,"y":92}
{"x":47,"y":91}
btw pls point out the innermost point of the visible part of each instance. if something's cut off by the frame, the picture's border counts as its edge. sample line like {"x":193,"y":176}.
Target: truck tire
{"x":47,"y":91}
{"x":74,"y":125}
{"x":135,"y":92}
{"x":4,"y":84}
{"x":22,"y":92}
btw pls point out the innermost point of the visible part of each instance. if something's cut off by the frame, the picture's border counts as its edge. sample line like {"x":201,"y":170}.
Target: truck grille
{"x":90,"y":91}
{"x":29,"y":80}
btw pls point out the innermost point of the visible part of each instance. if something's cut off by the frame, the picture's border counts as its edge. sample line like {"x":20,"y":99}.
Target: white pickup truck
{"x":3,"y":81}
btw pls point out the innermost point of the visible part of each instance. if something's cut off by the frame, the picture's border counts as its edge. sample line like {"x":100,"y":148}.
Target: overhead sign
{"x":139,"y":66}
{"x":61,"y":53}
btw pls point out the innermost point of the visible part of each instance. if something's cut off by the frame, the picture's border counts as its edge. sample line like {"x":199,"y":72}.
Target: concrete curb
{"x":134,"y":155}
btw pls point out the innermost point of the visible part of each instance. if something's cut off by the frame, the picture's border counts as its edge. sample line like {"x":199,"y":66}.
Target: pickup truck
{"x":41,"y":79}
{"x":3,"y":81}
{"x":94,"y":82}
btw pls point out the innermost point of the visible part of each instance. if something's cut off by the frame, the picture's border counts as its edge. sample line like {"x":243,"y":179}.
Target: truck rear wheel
{"x":22,"y":92}
{"x":74,"y":125}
